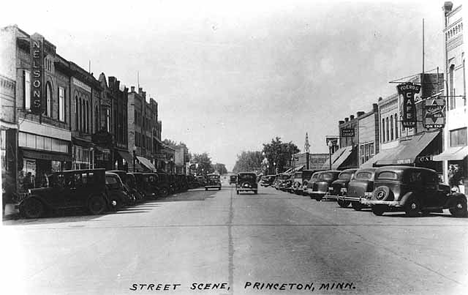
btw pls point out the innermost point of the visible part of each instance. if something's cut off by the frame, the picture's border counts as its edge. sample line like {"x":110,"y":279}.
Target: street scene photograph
{"x":233,"y":147}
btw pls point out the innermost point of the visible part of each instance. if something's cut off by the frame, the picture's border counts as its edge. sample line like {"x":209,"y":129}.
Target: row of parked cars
{"x":413,"y":190}
{"x":98,"y":190}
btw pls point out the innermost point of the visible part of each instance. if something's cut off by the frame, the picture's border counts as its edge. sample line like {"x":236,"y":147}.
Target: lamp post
{"x":330,"y":146}
{"x":134,"y":158}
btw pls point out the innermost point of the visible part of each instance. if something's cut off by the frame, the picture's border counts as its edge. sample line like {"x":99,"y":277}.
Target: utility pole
{"x":306,"y":148}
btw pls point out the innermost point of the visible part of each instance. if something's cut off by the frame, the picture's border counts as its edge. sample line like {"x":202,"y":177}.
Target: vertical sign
{"x":407,"y":90}
{"x":37,"y":73}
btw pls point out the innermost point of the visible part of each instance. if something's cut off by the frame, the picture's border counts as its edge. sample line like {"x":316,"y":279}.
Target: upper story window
{"x":48,"y":106}
{"x":27,"y":89}
{"x":458,"y":137}
{"x":61,"y":104}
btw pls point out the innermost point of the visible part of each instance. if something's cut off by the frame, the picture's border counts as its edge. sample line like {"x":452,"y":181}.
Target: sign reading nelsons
{"x":37,"y":73}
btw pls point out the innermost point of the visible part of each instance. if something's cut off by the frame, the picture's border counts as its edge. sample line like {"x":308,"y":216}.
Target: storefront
{"x":341,"y":159}
{"x":457,"y":158}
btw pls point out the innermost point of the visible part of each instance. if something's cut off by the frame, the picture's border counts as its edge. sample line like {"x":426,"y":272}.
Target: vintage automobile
{"x":413,"y":190}
{"x":267,"y":180}
{"x":310,"y":184}
{"x":67,"y":189}
{"x":144,"y":186}
{"x":116,"y":192}
{"x":286,"y":186}
{"x":213,"y":181}
{"x":246,"y":181}
{"x":133,"y":194}
{"x":300,"y":181}
{"x":232,"y":179}
{"x":320,"y":188}
{"x":360,"y":187}
{"x":192,"y":182}
{"x":339,"y":187}
{"x":280,"y":179}
{"x":131,"y":183}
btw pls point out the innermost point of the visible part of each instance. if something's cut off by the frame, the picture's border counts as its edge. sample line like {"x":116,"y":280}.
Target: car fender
{"x":452,"y":198}
{"x":37,"y":197}
{"x":405,"y":198}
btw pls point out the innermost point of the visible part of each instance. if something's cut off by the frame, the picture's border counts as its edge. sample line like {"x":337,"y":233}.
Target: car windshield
{"x":213,"y":176}
{"x":326,"y":176}
{"x":363,"y":175}
{"x":314,"y":177}
{"x":345,"y":175}
{"x":113,"y":181}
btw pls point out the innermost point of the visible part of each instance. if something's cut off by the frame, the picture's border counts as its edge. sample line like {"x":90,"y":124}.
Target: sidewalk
{"x":10,"y":212}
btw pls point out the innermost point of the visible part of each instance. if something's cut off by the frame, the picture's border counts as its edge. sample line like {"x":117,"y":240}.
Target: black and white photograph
{"x":221,"y":147}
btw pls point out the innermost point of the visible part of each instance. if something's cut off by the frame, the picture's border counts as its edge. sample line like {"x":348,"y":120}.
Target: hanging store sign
{"x":347,"y":132}
{"x":434,"y":113}
{"x":408,"y":90}
{"x":37,"y":73}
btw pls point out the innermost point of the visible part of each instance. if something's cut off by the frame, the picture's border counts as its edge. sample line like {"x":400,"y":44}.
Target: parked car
{"x":133,"y":194}
{"x":320,"y":188}
{"x":132,"y":186}
{"x":360,"y":187}
{"x":310,"y":183}
{"x":163,"y":184}
{"x":232,"y":179}
{"x":246,"y":181}
{"x":280,"y":179}
{"x":286,"y":186}
{"x":116,"y":193}
{"x":144,"y":186}
{"x":192,"y":182}
{"x":300,"y":179}
{"x":67,"y":189}
{"x":267,"y":180}
{"x":339,"y":187}
{"x":413,"y":190}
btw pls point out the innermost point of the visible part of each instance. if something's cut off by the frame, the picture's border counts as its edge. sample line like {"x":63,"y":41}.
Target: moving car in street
{"x":246,"y":181}
{"x":67,"y":189}
{"x":213,"y":181}
{"x":339,"y":187}
{"x":413,"y":190}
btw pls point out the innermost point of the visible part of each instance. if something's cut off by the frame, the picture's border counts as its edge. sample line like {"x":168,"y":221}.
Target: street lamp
{"x":134,"y":158}
{"x":330,"y":146}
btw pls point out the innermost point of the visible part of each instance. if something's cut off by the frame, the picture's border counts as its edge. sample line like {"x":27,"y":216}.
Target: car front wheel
{"x":96,"y":205}
{"x":460,"y":208}
{"x":412,"y":207}
{"x":343,"y":204}
{"x":32,"y":208}
{"x":356,"y":206}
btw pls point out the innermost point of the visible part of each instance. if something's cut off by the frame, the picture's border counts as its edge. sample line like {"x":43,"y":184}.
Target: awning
{"x":452,"y":154}
{"x":408,"y":151}
{"x":380,"y":156}
{"x":45,"y":155}
{"x":125,"y":156}
{"x":338,"y":158}
{"x":146,"y":163}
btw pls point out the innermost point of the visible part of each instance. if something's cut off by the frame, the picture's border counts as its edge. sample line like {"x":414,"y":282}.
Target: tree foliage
{"x":220,"y":168}
{"x":248,"y":162}
{"x":203,"y":163}
{"x":279,"y":154}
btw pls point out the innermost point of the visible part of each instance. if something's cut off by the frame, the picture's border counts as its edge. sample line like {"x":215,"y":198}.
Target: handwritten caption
{"x":309,"y":287}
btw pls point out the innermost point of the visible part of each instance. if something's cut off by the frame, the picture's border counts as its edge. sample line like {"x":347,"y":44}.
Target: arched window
{"x":382,"y":129}
{"x":48,"y":102}
{"x":391,"y":127}
{"x":396,"y":126}
{"x":452,"y":90}
{"x":387,"y":130}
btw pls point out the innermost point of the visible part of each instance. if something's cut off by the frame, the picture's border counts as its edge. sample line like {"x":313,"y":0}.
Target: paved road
{"x":270,"y":243}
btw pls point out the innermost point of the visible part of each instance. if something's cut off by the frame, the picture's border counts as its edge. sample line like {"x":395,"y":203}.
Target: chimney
{"x":360,"y":113}
{"x":341,"y":122}
{"x":380,"y":98}
{"x":351,"y":117}
{"x":448,"y":5}
{"x":143,"y":93}
{"x":346,"y":119}
{"x":133,"y":88}
{"x":140,"y":90}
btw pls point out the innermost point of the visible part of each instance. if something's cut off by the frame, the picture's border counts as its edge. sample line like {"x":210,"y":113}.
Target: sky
{"x":230,"y":76}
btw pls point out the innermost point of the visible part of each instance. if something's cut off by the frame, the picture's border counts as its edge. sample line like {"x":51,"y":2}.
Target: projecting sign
{"x":434,"y":113}
{"x":37,"y":73}
{"x":347,"y":132}
{"x":408,"y":90}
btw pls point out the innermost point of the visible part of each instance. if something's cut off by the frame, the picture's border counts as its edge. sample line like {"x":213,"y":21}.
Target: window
{"x":96,"y":118}
{"x":391,"y":127}
{"x":387,"y":130}
{"x":61,"y":103}
{"x":451,"y":89}
{"x":107,"y":120}
{"x":387,"y":175}
{"x":76,"y":113}
{"x":383,"y":130}
{"x":396,"y":126}
{"x":458,"y":137}
{"x":48,"y":106}
{"x":27,"y":89}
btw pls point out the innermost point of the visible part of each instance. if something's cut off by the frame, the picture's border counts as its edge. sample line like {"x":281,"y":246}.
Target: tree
{"x":221,"y":168}
{"x":279,"y":154}
{"x":203,"y":163}
{"x":250,"y":161}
